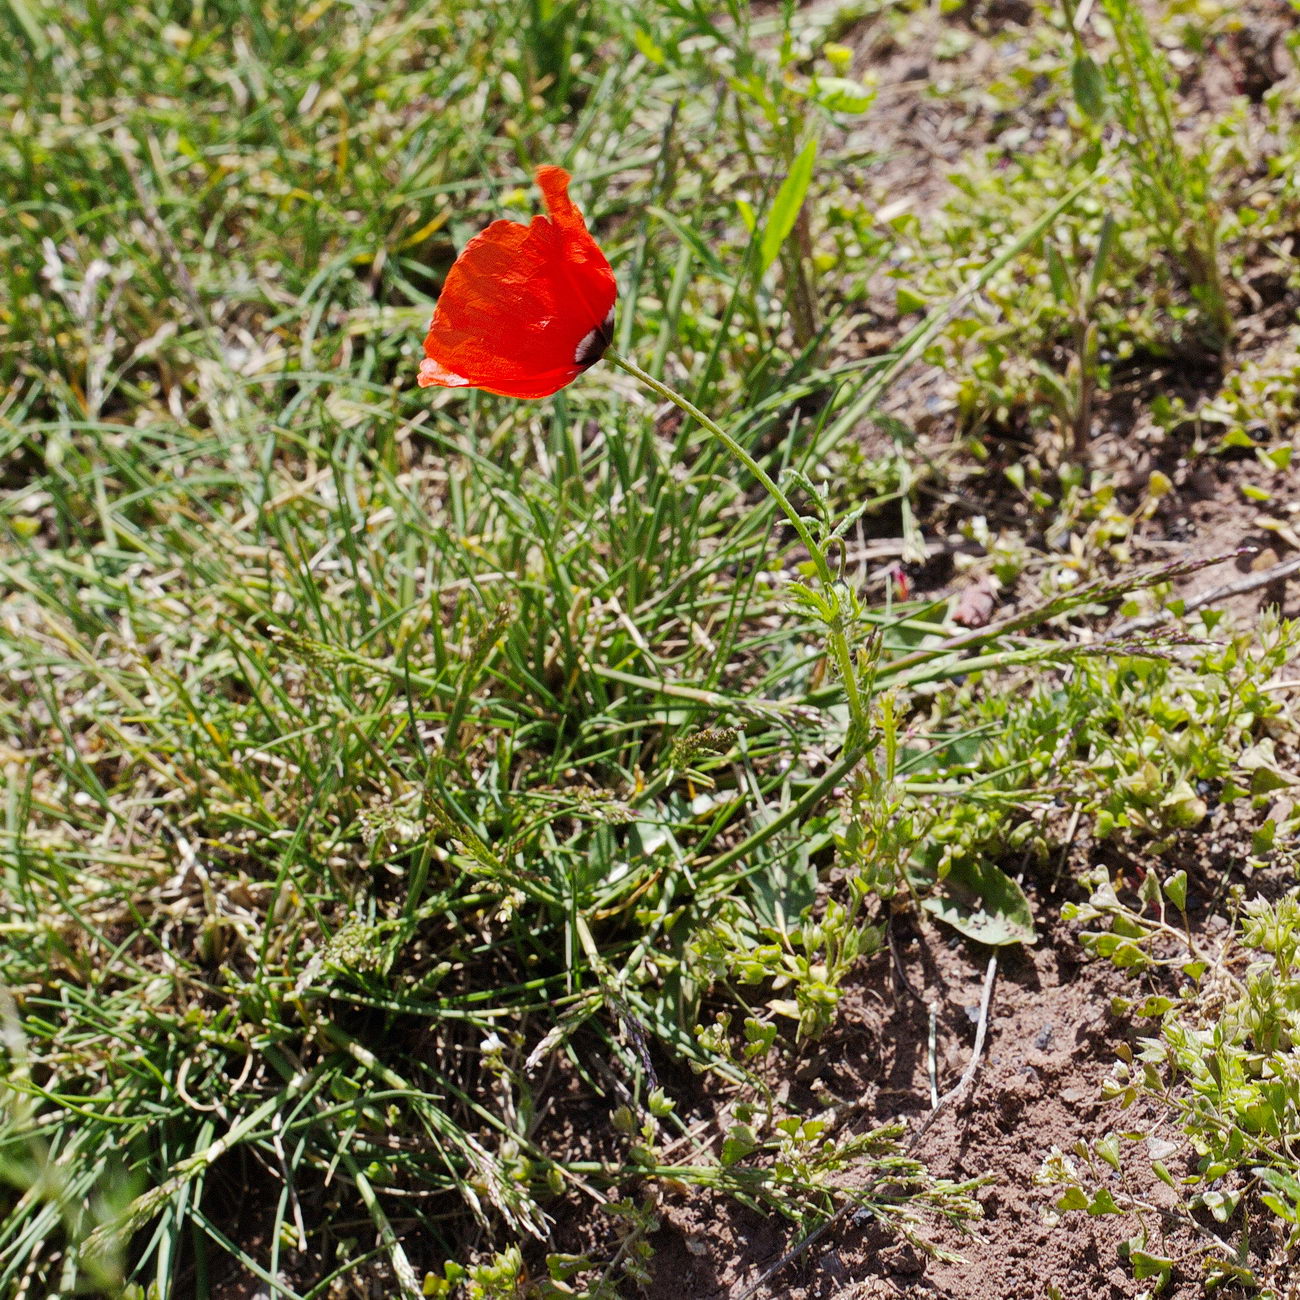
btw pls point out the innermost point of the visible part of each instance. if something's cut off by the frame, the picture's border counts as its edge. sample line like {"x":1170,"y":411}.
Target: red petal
{"x":519,"y":301}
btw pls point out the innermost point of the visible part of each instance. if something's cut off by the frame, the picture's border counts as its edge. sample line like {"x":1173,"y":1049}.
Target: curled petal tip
{"x":549,"y":175}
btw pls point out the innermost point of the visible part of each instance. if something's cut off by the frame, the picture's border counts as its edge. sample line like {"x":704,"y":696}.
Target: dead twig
{"x":968,"y":1074}
{"x":1274,"y":573}
{"x":1100,"y":590}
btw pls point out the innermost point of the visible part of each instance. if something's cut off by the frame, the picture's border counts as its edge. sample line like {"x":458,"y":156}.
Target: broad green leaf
{"x":1103,"y":1203}
{"x":1176,"y":890}
{"x":1089,"y":87}
{"x":1280,"y":1182}
{"x":982,"y":902}
{"x":908,"y":300}
{"x":1237,"y":438}
{"x":1264,"y":836}
{"x":1146,"y":1265}
{"x":1279,"y":1207}
{"x":1183,"y":807}
{"x":784,"y":887}
{"x":1222,"y":1205}
{"x":1155,"y":1005}
{"x":1108,"y":1149}
{"x":739,"y":1143}
{"x":785,"y":207}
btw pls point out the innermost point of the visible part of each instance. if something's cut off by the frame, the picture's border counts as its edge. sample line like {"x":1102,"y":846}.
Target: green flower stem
{"x":839,"y":643}
{"x":849,"y":758}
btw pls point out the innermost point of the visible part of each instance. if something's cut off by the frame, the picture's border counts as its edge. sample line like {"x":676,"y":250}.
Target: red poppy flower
{"x":525,"y":309}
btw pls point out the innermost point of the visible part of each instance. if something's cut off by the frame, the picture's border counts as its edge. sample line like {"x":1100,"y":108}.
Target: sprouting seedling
{"x":1079,"y":298}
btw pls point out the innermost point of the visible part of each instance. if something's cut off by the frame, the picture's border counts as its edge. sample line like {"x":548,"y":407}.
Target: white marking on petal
{"x":431,"y":373}
{"x":590,"y":348}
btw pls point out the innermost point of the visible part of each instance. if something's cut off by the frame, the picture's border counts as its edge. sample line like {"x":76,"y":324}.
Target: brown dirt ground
{"x":1051,"y":1041}
{"x":923,"y":137}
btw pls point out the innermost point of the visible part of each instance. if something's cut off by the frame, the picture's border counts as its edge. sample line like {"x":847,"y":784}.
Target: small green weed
{"x":1218,"y":1068}
{"x":1170,"y":184}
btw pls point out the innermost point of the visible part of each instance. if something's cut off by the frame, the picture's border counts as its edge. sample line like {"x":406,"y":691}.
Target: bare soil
{"x":1051,"y":1040}
{"x":933,"y":111}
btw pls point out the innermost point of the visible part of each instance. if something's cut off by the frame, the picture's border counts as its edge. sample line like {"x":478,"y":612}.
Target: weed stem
{"x":838,"y":641}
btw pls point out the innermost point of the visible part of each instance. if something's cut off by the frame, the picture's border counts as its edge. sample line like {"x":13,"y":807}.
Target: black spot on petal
{"x":591,"y":347}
